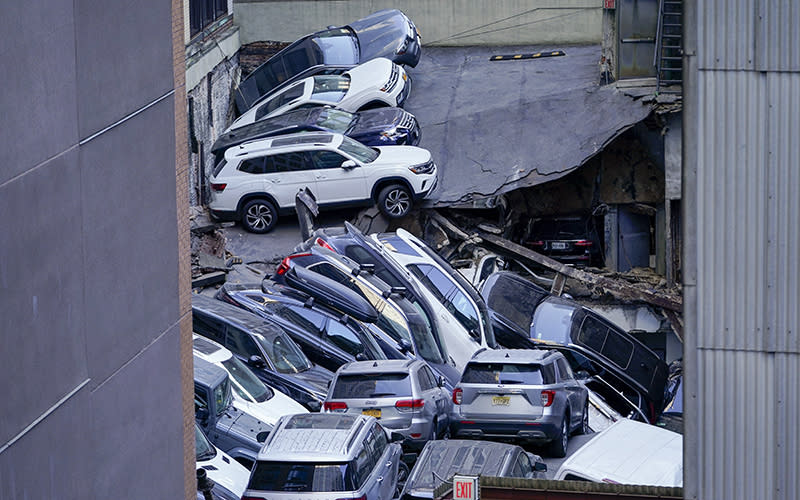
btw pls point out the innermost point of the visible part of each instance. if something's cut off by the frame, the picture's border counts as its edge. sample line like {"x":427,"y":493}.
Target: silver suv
{"x":527,"y":394}
{"x":404,"y":394}
{"x":320,"y":455}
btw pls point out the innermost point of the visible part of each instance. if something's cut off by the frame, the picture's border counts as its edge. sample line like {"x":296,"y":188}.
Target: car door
{"x":573,"y":389}
{"x":385,"y":462}
{"x":286,"y":174}
{"x":438,"y":395}
{"x":336,"y":184}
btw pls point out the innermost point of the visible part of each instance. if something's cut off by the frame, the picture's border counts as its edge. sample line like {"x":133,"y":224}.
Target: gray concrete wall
{"x":451,"y":22}
{"x":90,"y":368}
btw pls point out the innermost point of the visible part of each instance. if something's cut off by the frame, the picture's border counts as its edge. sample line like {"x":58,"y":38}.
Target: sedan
{"x":387,"y":33}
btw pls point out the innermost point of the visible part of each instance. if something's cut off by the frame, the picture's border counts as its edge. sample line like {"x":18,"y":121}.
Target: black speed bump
{"x":537,"y":55}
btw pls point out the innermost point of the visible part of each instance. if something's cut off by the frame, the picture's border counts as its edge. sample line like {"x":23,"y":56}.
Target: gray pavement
{"x":496,"y":126}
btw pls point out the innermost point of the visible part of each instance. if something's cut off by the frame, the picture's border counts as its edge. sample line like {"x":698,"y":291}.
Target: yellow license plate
{"x":372,"y":413}
{"x":501,"y":400}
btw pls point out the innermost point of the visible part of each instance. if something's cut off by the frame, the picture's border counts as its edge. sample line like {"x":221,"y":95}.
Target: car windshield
{"x":245,"y":383}
{"x":204,"y":450}
{"x":506,"y":373}
{"x":425,"y":343}
{"x":358,"y":151}
{"x":285,"y":355}
{"x":330,"y":88}
{"x":337,"y":47}
{"x":223,"y":396}
{"x":552,"y":322}
{"x":336,"y":120}
{"x":381,"y":385}
{"x":302,"y":477}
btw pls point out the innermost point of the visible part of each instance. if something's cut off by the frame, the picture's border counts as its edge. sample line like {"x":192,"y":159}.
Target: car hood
{"x":375,"y":121}
{"x":406,"y":155}
{"x":315,"y":378}
{"x":372,"y":75}
{"x":244,"y":428}
{"x":225,"y":471}
{"x":271,"y":410}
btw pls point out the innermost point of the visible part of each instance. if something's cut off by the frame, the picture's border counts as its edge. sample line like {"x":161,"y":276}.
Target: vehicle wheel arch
{"x":254,"y":196}
{"x":387,"y":181}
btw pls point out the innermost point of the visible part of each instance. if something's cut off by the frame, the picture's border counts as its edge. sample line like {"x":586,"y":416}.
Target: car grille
{"x":390,"y":85}
{"x":407,"y":121}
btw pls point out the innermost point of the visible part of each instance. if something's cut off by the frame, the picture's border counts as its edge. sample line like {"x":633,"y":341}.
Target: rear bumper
{"x":542,"y":431}
{"x":223,"y":215}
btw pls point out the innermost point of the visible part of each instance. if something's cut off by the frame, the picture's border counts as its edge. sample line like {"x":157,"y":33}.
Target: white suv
{"x":257,"y":181}
{"x":376,"y":83}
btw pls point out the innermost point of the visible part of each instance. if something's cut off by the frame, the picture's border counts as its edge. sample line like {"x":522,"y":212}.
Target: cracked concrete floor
{"x":495,"y":126}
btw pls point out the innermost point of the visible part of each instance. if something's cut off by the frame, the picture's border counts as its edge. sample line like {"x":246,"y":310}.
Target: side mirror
{"x":201,"y":414}
{"x":348,"y":164}
{"x":313,"y":405}
{"x":582,"y":375}
{"x":396,"y":437}
{"x":361,"y":357}
{"x":539,"y":467}
{"x":405,"y":346}
{"x":440,"y":381}
{"x":256,"y":361}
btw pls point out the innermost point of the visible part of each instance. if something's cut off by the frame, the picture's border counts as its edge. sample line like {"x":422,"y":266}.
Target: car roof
{"x":237,"y":316}
{"x":316,"y":138}
{"x":208,"y":373}
{"x":268,"y":127}
{"x":446,"y":458}
{"x":513,"y":355}
{"x":209,"y":350}
{"x":316,"y":437}
{"x":379,"y":366}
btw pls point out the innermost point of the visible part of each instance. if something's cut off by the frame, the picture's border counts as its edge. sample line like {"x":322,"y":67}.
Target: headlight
{"x":424,"y":168}
{"x":403,"y":46}
{"x":391,"y":134}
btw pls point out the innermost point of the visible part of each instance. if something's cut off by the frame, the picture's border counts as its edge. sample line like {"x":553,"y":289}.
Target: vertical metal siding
{"x":778,"y":36}
{"x":730,"y":210}
{"x":783,"y":159}
{"x":726,"y":34}
{"x":743,"y":355}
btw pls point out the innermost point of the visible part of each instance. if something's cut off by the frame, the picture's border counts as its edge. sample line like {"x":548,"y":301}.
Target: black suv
{"x":571,"y":240}
{"x":266,"y":348}
{"x":327,"y":336}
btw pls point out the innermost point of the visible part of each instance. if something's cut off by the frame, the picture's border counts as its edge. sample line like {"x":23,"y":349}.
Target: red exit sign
{"x":465,"y":488}
{"x":608,"y":4}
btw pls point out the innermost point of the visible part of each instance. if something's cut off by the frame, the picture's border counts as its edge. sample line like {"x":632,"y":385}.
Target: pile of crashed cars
{"x":366,"y":366}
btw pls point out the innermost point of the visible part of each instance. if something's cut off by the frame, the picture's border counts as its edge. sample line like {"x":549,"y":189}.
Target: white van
{"x":628,"y":452}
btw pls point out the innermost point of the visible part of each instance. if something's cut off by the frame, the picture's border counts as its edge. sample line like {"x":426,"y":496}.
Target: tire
{"x":558,"y":447}
{"x":259,"y":216}
{"x":402,"y":477}
{"x":584,"y":427}
{"x":394,"y":201}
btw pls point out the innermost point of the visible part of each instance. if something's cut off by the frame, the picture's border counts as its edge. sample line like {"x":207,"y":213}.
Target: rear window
{"x":382,"y":385}
{"x":508,"y":373}
{"x":302,"y":477}
{"x":514,"y":301}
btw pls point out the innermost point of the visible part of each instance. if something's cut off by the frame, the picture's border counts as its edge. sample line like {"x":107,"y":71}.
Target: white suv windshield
{"x":245,"y":383}
{"x":358,"y":151}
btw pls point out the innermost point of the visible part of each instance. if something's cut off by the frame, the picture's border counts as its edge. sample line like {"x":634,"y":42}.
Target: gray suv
{"x":404,"y":394}
{"x":527,"y":394}
{"x":321,"y":455}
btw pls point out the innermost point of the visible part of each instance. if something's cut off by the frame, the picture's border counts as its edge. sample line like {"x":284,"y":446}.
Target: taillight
{"x":457,"y":395}
{"x":284,"y":265}
{"x":409,"y":404}
{"x":548,"y":397}
{"x":334,"y":406}
{"x":582,"y":243}
{"x":218,"y":187}
{"x":536,"y":243}
{"x":324,"y":244}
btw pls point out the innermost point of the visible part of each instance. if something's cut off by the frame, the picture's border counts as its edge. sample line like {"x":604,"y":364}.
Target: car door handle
{"x":379,"y":480}
{"x":319,"y":177}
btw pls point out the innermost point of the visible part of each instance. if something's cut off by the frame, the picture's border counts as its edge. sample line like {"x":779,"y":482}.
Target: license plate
{"x":501,"y":400}
{"x":558,"y":245}
{"x":372,"y":413}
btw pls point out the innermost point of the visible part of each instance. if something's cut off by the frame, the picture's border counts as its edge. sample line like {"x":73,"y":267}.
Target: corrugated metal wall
{"x":742,"y":253}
